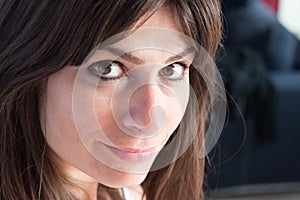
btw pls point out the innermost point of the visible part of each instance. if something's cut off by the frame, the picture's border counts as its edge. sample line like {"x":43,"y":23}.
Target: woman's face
{"x":109,"y":118}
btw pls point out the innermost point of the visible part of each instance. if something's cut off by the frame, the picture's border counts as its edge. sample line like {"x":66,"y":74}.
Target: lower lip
{"x":132,"y":156}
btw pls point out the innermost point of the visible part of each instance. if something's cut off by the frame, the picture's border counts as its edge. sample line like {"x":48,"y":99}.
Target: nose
{"x":145,"y":109}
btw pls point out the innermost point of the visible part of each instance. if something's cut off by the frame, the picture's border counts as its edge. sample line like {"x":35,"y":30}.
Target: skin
{"x":81,"y":159}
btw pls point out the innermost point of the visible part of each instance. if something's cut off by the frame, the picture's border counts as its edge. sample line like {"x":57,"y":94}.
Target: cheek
{"x":174,"y":107}
{"x":102,"y":102}
{"x":103,"y":109}
{"x":58,"y":111}
{"x":174,"y":113}
{"x":58,"y":104}
{"x":59,"y":129}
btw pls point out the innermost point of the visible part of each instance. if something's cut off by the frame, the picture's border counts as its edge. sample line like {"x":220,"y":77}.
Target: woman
{"x":49,"y":149}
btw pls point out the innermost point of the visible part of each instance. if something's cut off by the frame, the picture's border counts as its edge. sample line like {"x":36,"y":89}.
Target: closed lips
{"x":132,"y":155}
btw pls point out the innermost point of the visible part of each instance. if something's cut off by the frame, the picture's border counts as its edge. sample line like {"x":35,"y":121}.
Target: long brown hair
{"x":39,"y":38}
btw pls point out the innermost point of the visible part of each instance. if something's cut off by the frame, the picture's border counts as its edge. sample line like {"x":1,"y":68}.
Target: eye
{"x":173,"y":71}
{"x":107,"y":70}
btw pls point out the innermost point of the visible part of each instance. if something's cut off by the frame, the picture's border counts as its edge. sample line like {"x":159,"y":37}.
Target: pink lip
{"x":132,"y":155}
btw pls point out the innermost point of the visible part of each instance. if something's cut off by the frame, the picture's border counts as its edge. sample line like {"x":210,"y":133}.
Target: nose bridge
{"x":148,"y":94}
{"x":142,"y":102}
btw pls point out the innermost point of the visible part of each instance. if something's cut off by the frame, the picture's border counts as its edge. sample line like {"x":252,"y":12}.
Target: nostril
{"x":157,"y":116}
{"x":155,"y":122}
{"x":140,"y":116}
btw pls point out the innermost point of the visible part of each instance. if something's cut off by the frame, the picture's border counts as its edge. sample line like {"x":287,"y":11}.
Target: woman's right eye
{"x":107,"y":70}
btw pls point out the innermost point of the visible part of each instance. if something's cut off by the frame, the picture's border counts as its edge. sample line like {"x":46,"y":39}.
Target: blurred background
{"x":258,"y":153}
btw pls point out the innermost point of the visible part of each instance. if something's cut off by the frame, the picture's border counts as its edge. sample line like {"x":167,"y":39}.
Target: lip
{"x":132,"y":155}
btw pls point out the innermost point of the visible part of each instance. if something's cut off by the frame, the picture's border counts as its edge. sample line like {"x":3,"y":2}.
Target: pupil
{"x":168,"y":71}
{"x":107,"y":70}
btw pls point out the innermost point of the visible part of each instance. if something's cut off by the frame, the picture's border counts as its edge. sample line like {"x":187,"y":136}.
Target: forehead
{"x":162,"y":18}
{"x":159,"y":31}
{"x":157,"y":37}
{"x":160,"y":39}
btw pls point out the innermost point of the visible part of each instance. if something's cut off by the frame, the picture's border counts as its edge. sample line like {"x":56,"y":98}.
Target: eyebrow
{"x":180,"y":55}
{"x":125,"y":55}
{"x":136,"y":60}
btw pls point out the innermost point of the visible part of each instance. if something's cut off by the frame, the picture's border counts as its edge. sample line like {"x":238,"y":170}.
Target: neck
{"x":135,"y":192}
{"x":85,"y":186}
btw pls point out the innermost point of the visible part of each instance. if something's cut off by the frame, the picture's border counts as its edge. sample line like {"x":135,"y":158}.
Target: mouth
{"x":133,"y":155}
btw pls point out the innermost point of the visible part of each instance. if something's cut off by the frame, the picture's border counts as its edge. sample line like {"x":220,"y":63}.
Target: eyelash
{"x":106,"y":63}
{"x":184,"y":66}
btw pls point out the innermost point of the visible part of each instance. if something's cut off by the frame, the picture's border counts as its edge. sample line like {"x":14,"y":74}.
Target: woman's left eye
{"x":173,"y":71}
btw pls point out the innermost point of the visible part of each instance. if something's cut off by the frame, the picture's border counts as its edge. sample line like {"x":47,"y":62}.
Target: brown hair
{"x":39,"y":38}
